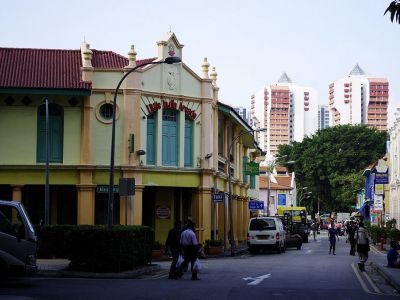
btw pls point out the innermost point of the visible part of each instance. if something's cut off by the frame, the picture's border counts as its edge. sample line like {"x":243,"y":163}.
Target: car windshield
{"x":262,"y":224}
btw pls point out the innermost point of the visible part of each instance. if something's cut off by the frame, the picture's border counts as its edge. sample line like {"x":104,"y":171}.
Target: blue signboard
{"x":381,"y":178}
{"x":256,"y":205}
{"x":282,"y":199}
{"x":218,"y":198}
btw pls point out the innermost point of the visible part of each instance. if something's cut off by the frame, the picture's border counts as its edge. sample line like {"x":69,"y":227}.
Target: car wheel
{"x":3,"y":271}
{"x":253,"y":250}
{"x":278,"y":249}
{"x":298,"y":247}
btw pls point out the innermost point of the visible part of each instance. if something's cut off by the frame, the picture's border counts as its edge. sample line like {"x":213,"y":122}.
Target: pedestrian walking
{"x":332,"y":234}
{"x":393,"y":256}
{"x":189,"y":244}
{"x":351,"y":232}
{"x":173,"y":246}
{"x":362,"y":245}
{"x":314,"y":229}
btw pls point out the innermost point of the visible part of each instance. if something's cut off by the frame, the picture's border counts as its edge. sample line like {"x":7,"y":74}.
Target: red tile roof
{"x":52,"y":68}
{"x":41,"y":68}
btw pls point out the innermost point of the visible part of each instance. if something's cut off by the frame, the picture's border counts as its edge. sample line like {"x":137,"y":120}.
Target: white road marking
{"x":308,"y":251}
{"x":257,"y":280}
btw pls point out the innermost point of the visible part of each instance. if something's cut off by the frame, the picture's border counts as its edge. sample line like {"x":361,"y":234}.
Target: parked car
{"x":266,"y":233}
{"x":293,"y":240}
{"x":18,"y":242}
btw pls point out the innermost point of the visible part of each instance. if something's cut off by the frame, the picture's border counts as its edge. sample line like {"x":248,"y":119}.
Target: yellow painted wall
{"x":18,"y":135}
{"x":72,"y":142}
{"x":38,"y":176}
{"x":101,"y":135}
{"x":162,"y":226}
{"x":171,"y":179}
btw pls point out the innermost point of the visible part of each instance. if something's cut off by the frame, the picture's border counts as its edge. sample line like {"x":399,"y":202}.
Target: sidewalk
{"x":378,"y":261}
{"x":58,"y":267}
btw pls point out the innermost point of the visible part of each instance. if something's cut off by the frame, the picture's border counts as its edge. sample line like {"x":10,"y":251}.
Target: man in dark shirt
{"x":332,"y":233}
{"x":351,"y":230}
{"x":173,"y":244}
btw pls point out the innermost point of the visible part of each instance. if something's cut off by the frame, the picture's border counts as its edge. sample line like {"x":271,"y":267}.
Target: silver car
{"x":18,"y":241}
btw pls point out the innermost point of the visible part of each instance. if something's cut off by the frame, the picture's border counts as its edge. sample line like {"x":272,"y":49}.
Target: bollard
{"x":382,"y":240}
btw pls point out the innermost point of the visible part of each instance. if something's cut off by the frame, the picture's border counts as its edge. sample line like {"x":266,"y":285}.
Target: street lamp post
{"x":47,"y":187}
{"x":231,"y":235}
{"x":169,"y":60}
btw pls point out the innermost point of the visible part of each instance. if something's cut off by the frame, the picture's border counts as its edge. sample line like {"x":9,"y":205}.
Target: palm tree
{"x":394,"y":9}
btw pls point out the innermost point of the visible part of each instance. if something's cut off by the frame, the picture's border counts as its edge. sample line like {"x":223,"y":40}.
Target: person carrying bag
{"x":362,"y":246}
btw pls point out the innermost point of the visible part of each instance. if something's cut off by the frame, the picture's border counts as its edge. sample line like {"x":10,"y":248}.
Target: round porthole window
{"x":104,"y":112}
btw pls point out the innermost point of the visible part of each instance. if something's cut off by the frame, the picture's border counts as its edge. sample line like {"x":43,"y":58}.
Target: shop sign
{"x":103,"y":189}
{"x":378,"y":189}
{"x":378,"y":202}
{"x":163,"y":212}
{"x":171,"y":104}
{"x":282,"y":199}
{"x":256,"y":205}
{"x":252,"y":168}
{"x":382,"y":173}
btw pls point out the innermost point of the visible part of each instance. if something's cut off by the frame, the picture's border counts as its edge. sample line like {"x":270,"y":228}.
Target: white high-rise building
{"x":289,"y":112}
{"x":359,"y":99}
{"x":323,"y":116}
{"x":243,"y":112}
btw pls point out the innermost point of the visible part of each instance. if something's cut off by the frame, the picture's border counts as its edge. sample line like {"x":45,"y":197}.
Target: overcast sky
{"x":251,"y":43}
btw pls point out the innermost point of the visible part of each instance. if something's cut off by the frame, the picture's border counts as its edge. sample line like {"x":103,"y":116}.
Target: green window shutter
{"x":55,"y":134}
{"x":188,"y":143}
{"x":252,"y":181}
{"x":245,"y":160}
{"x":150,"y":150}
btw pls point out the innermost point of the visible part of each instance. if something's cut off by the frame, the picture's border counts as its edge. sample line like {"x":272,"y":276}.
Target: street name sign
{"x":256,"y":205}
{"x":218,"y":198}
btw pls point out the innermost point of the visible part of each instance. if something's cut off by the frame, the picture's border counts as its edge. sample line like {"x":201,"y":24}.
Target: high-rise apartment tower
{"x":287,"y":110}
{"x":359,"y":99}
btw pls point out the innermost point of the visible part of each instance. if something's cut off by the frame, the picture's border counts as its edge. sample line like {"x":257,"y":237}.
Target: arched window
{"x":188,"y":142}
{"x":151,"y":135}
{"x":169,"y":137}
{"x":55,"y":134}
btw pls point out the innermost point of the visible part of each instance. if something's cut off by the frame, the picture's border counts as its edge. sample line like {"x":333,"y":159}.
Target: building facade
{"x":167,"y":138}
{"x":289,"y":112}
{"x":359,"y":99}
{"x":282,"y":188}
{"x":323,"y":116}
{"x":394,"y":169}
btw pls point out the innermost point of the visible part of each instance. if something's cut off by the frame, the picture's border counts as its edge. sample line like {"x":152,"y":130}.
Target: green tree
{"x":394,"y":10}
{"x":330,"y":163}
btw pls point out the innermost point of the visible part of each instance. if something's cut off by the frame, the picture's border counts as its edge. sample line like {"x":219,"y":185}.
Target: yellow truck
{"x":298,"y":213}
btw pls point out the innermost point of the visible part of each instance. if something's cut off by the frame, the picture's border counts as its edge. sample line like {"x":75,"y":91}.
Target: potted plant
{"x":156,"y":250}
{"x":213,"y":247}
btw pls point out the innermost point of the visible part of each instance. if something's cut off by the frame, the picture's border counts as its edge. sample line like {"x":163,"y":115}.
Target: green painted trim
{"x":66,"y":92}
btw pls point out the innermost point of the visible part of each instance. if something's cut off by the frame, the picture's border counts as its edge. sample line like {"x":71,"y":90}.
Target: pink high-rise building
{"x":289,"y":112}
{"x":359,"y":99}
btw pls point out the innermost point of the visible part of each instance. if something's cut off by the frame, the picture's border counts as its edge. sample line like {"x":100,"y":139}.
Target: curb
{"x":387,"y":277}
{"x":122,"y":275}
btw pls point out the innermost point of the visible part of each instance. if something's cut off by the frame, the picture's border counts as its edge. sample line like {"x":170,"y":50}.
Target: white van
{"x":18,"y":242}
{"x":266,"y":233}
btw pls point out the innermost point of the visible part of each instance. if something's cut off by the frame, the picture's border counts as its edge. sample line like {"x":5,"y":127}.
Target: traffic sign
{"x":256,"y":205}
{"x":218,"y":198}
